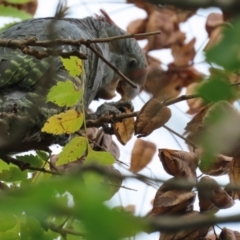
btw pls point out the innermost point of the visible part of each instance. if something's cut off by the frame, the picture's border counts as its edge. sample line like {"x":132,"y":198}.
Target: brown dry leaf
{"x":210,"y":237}
{"x":187,"y":234}
{"x":153,"y":115}
{"x":124,"y":130}
{"x":170,"y":33}
{"x":163,"y":84}
{"x":179,"y":163}
{"x":172,"y":201}
{"x":195,"y":104}
{"x":152,"y":61}
{"x":214,"y":29}
{"x":137,"y":26}
{"x":142,"y":155}
{"x":187,"y":74}
{"x":213,"y":21}
{"x":29,"y":7}
{"x":196,"y":124}
{"x":219,"y":165}
{"x":234,"y":175}
{"x":212,"y":197}
{"x":184,"y":54}
{"x":215,"y":37}
{"x":148,"y":7}
{"x":168,"y":84}
{"x":228,"y":234}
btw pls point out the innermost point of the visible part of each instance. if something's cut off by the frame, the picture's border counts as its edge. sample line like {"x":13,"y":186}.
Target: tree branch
{"x":24,"y":166}
{"x":24,"y":44}
{"x":228,"y":5}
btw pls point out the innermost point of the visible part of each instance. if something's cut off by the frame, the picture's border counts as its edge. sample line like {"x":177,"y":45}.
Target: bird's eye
{"x":132,"y":63}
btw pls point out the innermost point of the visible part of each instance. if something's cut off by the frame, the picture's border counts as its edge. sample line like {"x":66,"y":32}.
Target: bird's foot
{"x":106,"y":109}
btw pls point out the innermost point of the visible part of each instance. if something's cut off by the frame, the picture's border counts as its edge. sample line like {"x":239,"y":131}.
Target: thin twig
{"x":180,"y":136}
{"x":24,"y":166}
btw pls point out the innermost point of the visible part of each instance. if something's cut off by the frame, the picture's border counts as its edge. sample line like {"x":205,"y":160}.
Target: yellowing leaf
{"x":125,"y":129}
{"x":102,"y":158}
{"x":66,"y":122}
{"x":73,"y":65}
{"x":64,"y":94}
{"x":73,"y":150}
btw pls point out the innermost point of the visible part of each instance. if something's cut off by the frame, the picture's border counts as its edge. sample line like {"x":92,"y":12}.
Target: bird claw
{"x":114,"y":108}
{"x":107,"y":109}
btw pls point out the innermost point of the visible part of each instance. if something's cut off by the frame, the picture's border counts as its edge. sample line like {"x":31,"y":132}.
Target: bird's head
{"x":127,"y":56}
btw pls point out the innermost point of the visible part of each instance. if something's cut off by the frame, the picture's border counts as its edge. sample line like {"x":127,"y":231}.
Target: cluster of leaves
{"x":71,"y":204}
{"x":213,"y":133}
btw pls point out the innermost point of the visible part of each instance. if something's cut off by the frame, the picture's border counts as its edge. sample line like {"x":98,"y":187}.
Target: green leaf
{"x":99,"y":157}
{"x":66,"y":122}
{"x":4,"y":165}
{"x":213,"y":90}
{"x":7,"y":221}
{"x":64,"y":94}
{"x":7,"y":11}
{"x":13,"y":174}
{"x":92,"y":178}
{"x":34,"y":161}
{"x":75,"y":149}
{"x":73,"y":65}
{"x":226,"y":52}
{"x":42,"y":155}
{"x":9,"y":235}
{"x":31,"y":229}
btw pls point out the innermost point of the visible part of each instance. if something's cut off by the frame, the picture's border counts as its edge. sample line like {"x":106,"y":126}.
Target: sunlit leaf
{"x":99,"y":157}
{"x":73,"y":150}
{"x":64,"y":94}
{"x":66,"y":122}
{"x":73,"y":65}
